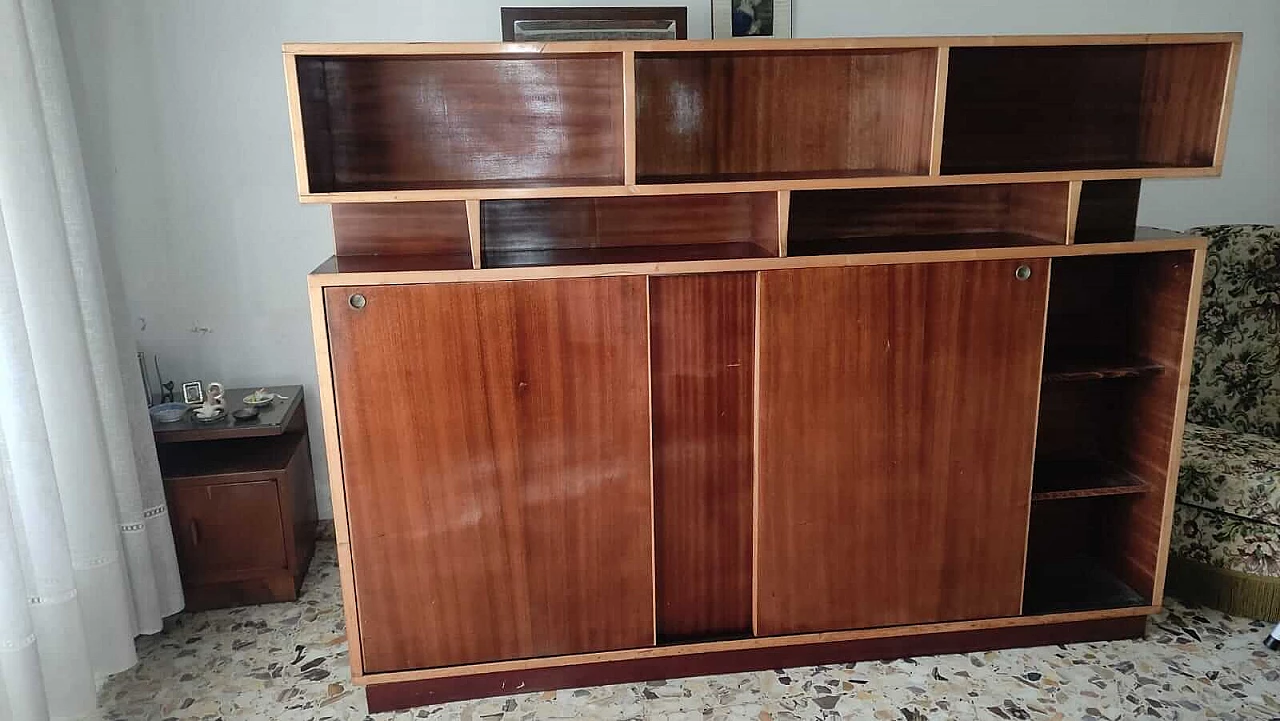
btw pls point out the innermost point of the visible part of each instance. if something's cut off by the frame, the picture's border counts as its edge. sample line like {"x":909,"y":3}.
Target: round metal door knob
{"x":1023,"y":272}
{"x":357,"y":301}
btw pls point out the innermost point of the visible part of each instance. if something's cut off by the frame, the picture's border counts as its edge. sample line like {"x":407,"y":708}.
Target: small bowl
{"x":244,"y":414}
{"x":217,"y":415}
{"x":169,"y":412}
{"x":253,"y":400}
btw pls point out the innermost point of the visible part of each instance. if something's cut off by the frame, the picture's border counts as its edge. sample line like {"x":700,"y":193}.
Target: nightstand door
{"x":227,"y":530}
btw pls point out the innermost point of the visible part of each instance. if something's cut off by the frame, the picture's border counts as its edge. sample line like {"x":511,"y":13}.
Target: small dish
{"x":260,"y":398}
{"x":217,"y":415}
{"x":244,"y":414}
{"x":169,"y":412}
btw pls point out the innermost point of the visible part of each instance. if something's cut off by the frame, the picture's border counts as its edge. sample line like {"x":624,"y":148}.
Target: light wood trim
{"x":745,"y":45}
{"x":1179,"y":426}
{"x":784,"y":220}
{"x":337,"y":487}
{"x":754,"y":643}
{"x":473,"y":231}
{"x":295,"y":124}
{"x":1228,"y":97}
{"x":653,"y":503}
{"x":939,"y":111}
{"x":889,"y":181}
{"x":1035,"y":436}
{"x":1073,"y":208}
{"x":629,"y":117}
{"x":755,"y":465}
{"x":325,"y":279}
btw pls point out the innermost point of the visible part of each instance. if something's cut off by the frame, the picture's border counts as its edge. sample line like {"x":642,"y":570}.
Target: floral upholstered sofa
{"x":1226,"y":534}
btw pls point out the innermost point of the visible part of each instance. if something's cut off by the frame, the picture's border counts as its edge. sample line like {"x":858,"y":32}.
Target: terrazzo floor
{"x":288,"y":662}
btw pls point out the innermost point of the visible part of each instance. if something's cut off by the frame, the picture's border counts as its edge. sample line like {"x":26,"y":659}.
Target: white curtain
{"x":86,"y":553}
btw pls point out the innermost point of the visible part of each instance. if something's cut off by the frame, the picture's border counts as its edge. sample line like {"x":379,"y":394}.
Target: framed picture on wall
{"x":535,"y":24}
{"x":750,"y":19}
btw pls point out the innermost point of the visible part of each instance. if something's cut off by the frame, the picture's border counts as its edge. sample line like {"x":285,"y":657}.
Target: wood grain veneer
{"x":751,"y":116}
{"x":702,"y":336}
{"x":897,"y":410}
{"x":379,"y":123}
{"x":515,"y":523}
{"x":423,"y":229}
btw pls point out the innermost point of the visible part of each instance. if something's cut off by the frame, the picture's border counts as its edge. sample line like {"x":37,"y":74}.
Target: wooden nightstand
{"x":242,"y":502}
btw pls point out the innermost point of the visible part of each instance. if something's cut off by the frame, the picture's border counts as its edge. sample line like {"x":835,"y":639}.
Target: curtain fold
{"x":86,"y":552}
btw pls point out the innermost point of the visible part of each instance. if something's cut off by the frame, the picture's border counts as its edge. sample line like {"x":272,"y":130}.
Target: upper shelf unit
{"x":434,"y":121}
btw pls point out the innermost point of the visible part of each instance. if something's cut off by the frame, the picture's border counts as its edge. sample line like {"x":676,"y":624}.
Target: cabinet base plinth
{"x":407,"y":694}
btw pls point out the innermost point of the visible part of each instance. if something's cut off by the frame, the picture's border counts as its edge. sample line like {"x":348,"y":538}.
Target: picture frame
{"x":750,"y":19}
{"x":553,"y":24}
{"x":193,"y":393}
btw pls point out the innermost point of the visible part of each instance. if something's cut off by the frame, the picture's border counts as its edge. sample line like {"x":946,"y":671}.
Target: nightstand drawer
{"x":228,"y":530}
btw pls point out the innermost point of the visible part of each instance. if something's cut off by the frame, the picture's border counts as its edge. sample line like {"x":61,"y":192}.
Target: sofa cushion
{"x":1236,"y":374}
{"x":1236,"y":473}
{"x":1225,"y":541}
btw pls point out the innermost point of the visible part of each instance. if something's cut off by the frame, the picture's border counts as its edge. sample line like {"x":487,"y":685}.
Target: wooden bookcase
{"x":653,"y":359}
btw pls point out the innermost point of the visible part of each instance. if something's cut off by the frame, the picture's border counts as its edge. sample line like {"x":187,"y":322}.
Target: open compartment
{"x":876,"y":220}
{"x":435,"y":234}
{"x":1104,"y":466}
{"x":628,"y":229}
{"x":1074,"y":562}
{"x":741,"y":115}
{"x":430,"y":122}
{"x":1020,"y":109}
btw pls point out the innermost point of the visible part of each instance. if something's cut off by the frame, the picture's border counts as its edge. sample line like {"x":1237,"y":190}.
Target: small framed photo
{"x":750,"y":19}
{"x":193,"y":393}
{"x":544,"y":24}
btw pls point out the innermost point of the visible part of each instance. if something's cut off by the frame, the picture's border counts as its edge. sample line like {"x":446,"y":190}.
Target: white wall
{"x":181,"y":108}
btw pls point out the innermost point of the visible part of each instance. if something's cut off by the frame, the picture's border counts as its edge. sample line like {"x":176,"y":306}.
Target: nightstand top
{"x":273,"y":420}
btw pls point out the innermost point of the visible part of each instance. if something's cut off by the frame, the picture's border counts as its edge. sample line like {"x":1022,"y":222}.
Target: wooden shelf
{"x":755,"y":177}
{"x":899,"y":243}
{"x":1072,"y":369}
{"x":1081,"y":478}
{"x":440,"y":122}
{"x":1078,"y":583}
{"x":733,"y":116}
{"x":1073,"y":108}
{"x":635,"y":254}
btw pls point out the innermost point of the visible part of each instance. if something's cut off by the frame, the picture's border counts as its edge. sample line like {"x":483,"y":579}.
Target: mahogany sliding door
{"x":495,"y":451}
{"x":896,"y":431}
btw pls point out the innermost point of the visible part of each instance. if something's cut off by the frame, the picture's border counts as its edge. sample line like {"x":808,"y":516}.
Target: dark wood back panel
{"x":1089,"y":107}
{"x":426,"y":122}
{"x":436,"y":228}
{"x":495,"y":454}
{"x":745,"y":116}
{"x":1037,"y":211}
{"x":1108,"y":211}
{"x":897,"y":407}
{"x":702,"y":337}
{"x":630,"y":221}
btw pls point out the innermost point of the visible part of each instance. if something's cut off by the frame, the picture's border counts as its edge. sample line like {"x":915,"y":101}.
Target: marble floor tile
{"x":288,"y":662}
